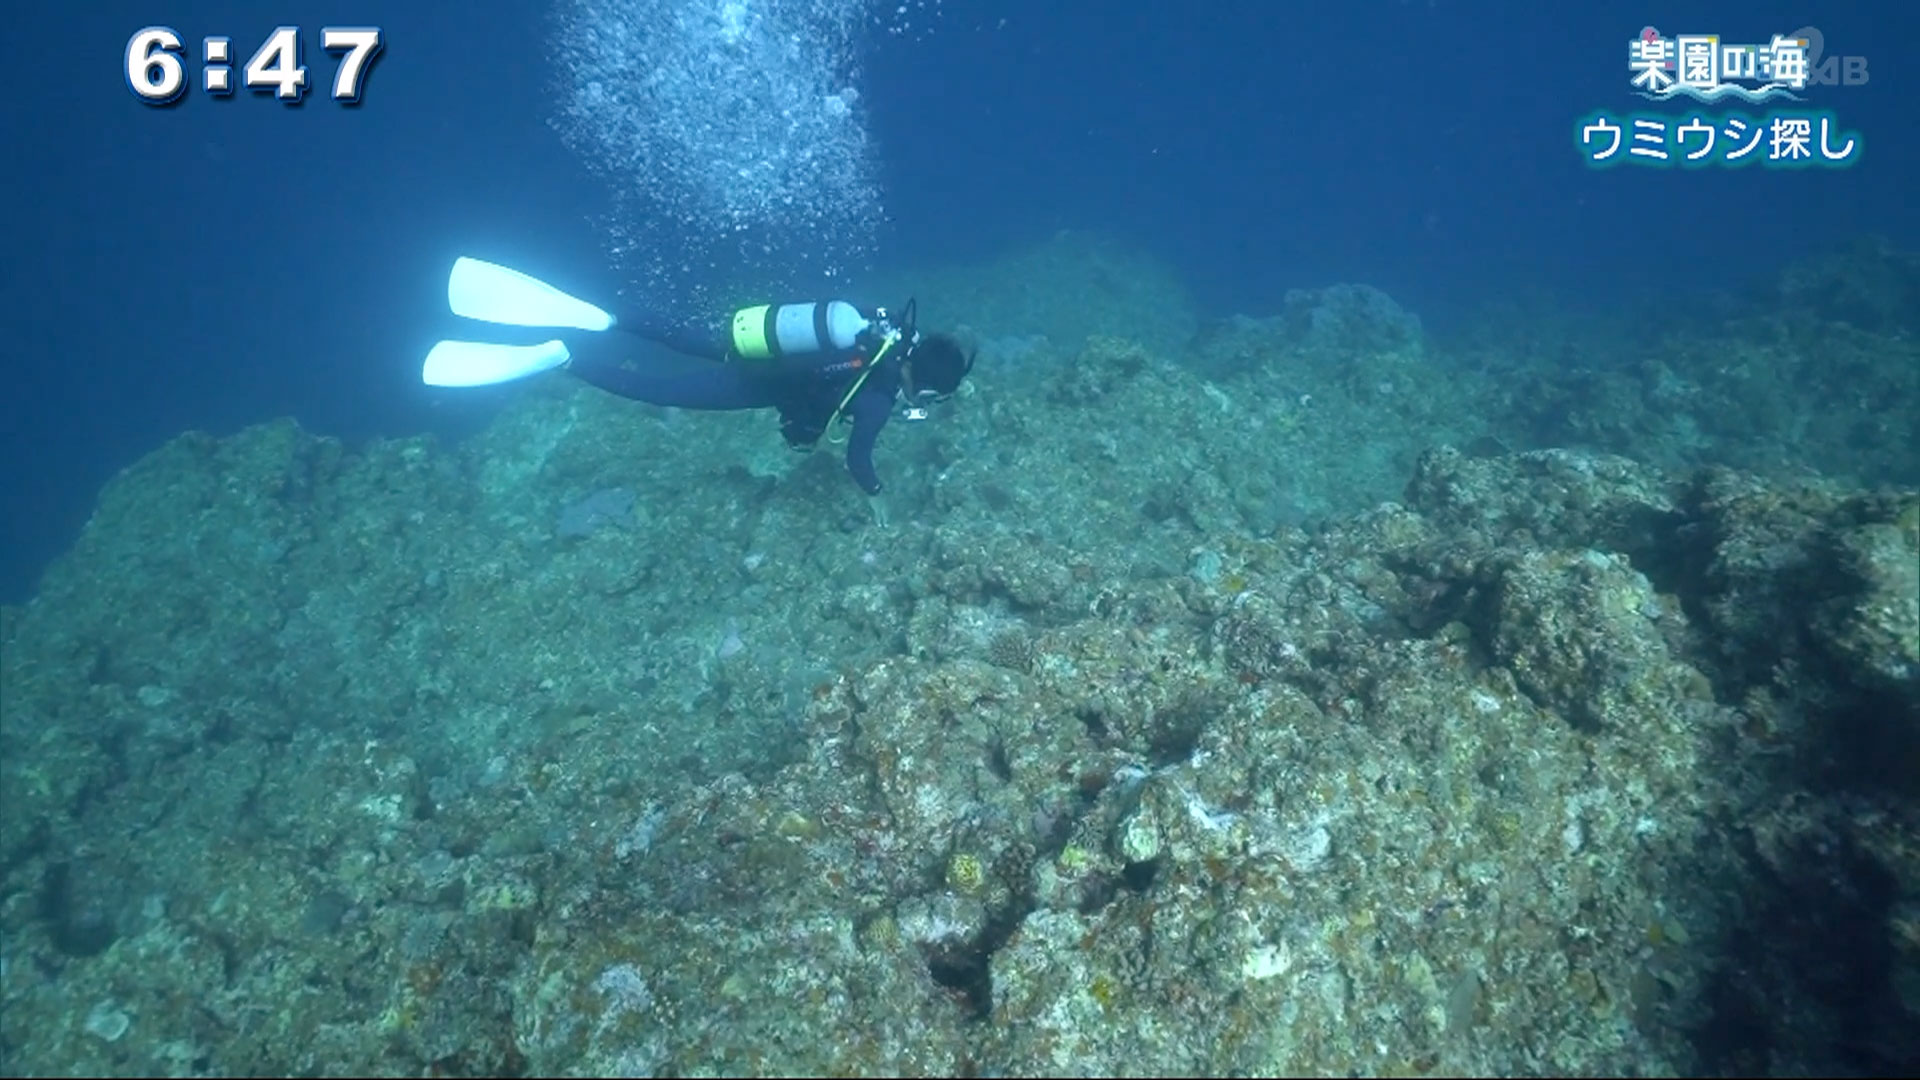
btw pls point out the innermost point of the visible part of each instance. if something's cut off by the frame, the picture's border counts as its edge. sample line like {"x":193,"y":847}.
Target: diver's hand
{"x":878,"y":505}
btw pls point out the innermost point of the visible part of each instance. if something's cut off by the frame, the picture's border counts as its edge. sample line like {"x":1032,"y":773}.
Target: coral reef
{"x":1192,"y":712}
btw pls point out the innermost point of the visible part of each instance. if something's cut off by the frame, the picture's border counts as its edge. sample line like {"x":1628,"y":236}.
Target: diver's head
{"x":934,"y":369}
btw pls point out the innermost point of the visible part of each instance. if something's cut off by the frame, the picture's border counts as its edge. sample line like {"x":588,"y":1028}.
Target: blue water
{"x":222,"y":262}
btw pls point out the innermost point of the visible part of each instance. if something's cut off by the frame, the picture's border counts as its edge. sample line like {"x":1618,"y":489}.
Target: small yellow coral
{"x":965,"y":873}
{"x":797,"y":826}
{"x":1102,"y":990}
{"x":1074,"y":859}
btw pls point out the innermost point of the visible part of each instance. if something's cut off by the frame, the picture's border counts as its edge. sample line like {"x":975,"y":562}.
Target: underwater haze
{"x":1323,"y":539}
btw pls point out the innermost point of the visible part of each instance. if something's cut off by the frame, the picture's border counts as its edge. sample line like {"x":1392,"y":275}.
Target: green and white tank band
{"x":771,"y":330}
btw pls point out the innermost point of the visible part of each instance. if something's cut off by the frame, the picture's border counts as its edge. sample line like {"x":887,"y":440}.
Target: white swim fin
{"x":479,"y":363}
{"x":496,"y":294}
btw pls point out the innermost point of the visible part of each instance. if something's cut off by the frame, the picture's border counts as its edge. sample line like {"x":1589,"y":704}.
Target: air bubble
{"x":708,"y":120}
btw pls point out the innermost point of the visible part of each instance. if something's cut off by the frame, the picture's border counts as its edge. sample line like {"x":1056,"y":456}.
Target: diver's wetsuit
{"x":804,"y":387}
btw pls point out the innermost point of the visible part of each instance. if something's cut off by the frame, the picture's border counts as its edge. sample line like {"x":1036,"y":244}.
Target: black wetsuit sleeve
{"x":871,"y":409}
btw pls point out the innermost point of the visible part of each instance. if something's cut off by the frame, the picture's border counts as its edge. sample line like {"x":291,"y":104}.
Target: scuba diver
{"x":819,"y":364}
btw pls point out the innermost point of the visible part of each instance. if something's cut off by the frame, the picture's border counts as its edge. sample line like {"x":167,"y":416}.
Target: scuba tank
{"x":772,"y":330}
